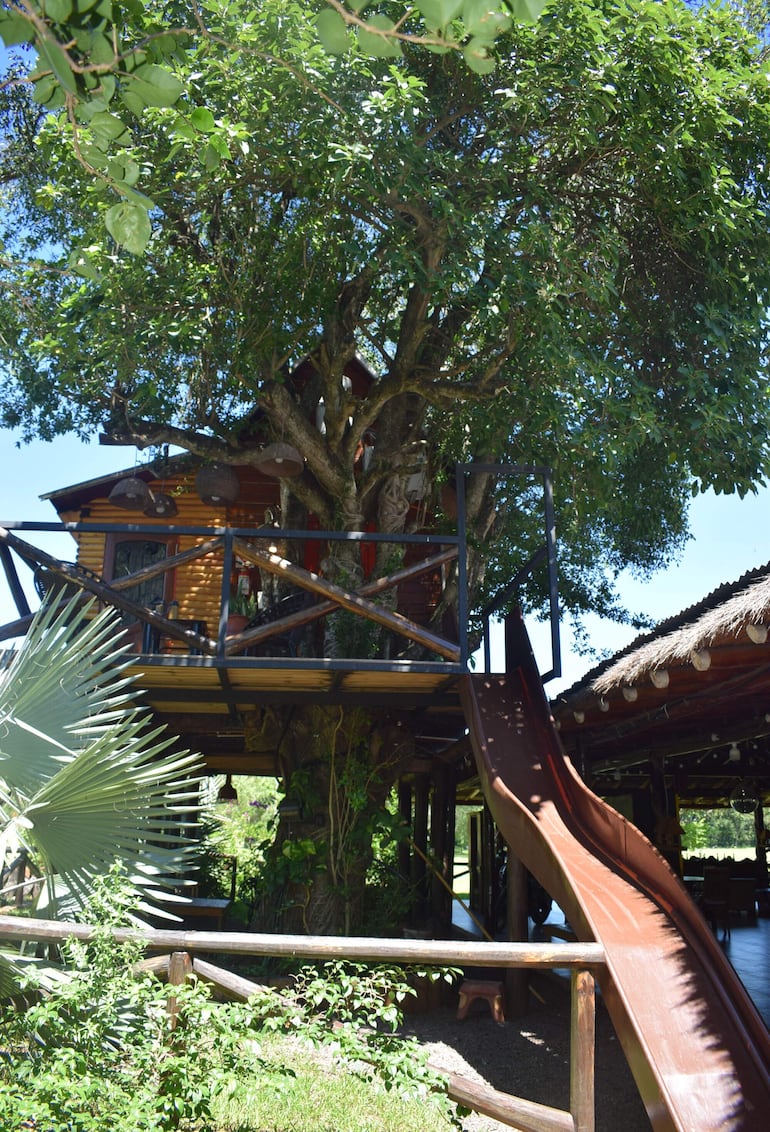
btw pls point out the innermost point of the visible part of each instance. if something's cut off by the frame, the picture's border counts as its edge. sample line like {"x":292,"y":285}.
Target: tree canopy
{"x":562,"y":260}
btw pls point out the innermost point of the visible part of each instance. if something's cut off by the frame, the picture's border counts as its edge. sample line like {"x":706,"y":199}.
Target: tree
{"x":563,"y":261}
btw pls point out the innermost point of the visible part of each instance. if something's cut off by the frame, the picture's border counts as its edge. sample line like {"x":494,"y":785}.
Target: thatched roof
{"x":726,"y":613}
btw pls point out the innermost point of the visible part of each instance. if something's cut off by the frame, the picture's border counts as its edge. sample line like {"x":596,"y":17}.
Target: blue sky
{"x":729,"y":537}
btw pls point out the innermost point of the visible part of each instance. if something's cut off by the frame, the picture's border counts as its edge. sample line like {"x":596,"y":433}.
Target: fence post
{"x":582,"y":1050}
{"x":179,"y":970}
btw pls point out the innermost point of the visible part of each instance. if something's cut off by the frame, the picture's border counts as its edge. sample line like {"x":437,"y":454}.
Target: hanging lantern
{"x":279,"y":460}
{"x":131,"y":493}
{"x":217,"y":484}
{"x":227,"y":792}
{"x":161,"y":505}
{"x":744,"y":798}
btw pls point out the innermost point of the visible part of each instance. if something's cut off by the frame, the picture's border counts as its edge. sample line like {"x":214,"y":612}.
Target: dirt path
{"x":529,"y":1057}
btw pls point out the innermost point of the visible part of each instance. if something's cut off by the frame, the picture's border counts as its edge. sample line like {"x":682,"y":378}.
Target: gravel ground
{"x":529,"y":1056}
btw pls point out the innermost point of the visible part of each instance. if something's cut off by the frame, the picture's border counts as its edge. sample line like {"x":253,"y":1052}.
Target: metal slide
{"x":698,"y":1049}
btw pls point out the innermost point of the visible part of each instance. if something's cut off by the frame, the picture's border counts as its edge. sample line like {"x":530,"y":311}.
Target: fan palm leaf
{"x":85,"y":778}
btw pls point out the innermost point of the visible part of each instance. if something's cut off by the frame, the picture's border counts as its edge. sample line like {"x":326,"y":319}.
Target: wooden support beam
{"x":234,"y":986}
{"x":155,"y":569}
{"x":457,"y":953}
{"x":105,"y":593}
{"x":527,"y":1116}
{"x":516,"y":980}
{"x":19,"y":597}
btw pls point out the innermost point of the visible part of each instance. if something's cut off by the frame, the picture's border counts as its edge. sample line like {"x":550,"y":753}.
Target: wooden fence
{"x":581,"y":959}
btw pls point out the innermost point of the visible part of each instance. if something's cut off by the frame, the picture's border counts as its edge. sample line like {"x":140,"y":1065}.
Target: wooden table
{"x":199,"y":908}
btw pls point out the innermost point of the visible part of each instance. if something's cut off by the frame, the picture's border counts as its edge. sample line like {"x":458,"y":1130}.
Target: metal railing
{"x":253,"y":545}
{"x":545,"y":553}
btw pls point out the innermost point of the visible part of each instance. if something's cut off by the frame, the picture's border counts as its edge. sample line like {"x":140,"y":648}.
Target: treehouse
{"x":229,"y":616}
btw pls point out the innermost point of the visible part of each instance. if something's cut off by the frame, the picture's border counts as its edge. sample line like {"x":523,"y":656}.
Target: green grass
{"x":323,"y":1096}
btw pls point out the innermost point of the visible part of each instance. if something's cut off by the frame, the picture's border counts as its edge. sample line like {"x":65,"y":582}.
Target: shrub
{"x":93,"y":1045}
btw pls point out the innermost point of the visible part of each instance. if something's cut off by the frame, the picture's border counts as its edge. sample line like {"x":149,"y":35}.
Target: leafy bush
{"x":354,"y":1010}
{"x":96,"y":1048}
{"x":94,"y":1045}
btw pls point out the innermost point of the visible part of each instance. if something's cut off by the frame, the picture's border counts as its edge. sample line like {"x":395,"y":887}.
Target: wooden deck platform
{"x":204,"y":700}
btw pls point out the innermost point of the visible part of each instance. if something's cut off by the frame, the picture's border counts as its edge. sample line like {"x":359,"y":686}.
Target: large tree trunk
{"x":338,"y":768}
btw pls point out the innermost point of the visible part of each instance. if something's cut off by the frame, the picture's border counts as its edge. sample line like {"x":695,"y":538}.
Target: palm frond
{"x":87,"y":779}
{"x":66,"y":677}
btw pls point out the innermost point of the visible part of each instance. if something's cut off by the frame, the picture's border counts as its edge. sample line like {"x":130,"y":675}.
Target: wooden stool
{"x":492,"y":992}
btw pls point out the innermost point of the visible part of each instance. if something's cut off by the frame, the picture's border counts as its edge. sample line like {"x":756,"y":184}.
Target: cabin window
{"x":125,"y":555}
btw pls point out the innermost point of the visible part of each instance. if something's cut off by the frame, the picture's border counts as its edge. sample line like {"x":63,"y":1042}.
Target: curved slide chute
{"x":697,"y":1047}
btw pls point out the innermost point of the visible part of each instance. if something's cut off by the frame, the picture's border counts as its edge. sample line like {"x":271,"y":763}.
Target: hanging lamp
{"x":280,"y":461}
{"x":744,"y":798}
{"x":217,"y":484}
{"x":227,"y":792}
{"x":131,"y":493}
{"x":161,"y":505}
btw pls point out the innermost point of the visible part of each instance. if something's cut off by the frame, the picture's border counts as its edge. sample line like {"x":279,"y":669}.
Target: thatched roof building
{"x":692,"y":697}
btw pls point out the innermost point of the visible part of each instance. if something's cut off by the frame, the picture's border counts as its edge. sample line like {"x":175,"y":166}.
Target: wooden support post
{"x":761,"y":840}
{"x":474,"y":858}
{"x":450,"y":841}
{"x":179,"y":970}
{"x":405,"y":812}
{"x":582,"y":1050}
{"x":440,"y":898}
{"x":419,"y":871}
{"x":516,"y":978}
{"x":488,"y":866}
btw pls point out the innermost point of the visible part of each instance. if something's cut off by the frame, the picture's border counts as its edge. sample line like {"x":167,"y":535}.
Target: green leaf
{"x":438,"y":13}
{"x":155,"y":85}
{"x":483,"y":18}
{"x":133,"y":101}
{"x":211,"y":158}
{"x":184,"y":129}
{"x":94,"y":155}
{"x":376,"y":45}
{"x":129,"y":225}
{"x":107,"y":88}
{"x":86,"y":780}
{"x":131,"y":172}
{"x":101,"y":50}
{"x":44,"y":88}
{"x":203,"y":120}
{"x":332,"y":32}
{"x":15,"y":30}
{"x":134,"y":195}
{"x":528,"y":11}
{"x":106,"y":128}
{"x":58,"y":10}
{"x":82,"y":266}
{"x":477,"y":56}
{"x":54,"y":58}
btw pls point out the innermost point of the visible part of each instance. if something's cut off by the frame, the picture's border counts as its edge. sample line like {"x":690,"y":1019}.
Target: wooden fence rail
{"x":581,"y":959}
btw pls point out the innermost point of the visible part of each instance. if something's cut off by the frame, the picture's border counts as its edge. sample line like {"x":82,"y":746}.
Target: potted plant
{"x":242,"y":608}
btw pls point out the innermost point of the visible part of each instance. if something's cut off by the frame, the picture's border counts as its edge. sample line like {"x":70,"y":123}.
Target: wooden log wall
{"x":196,"y":586}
